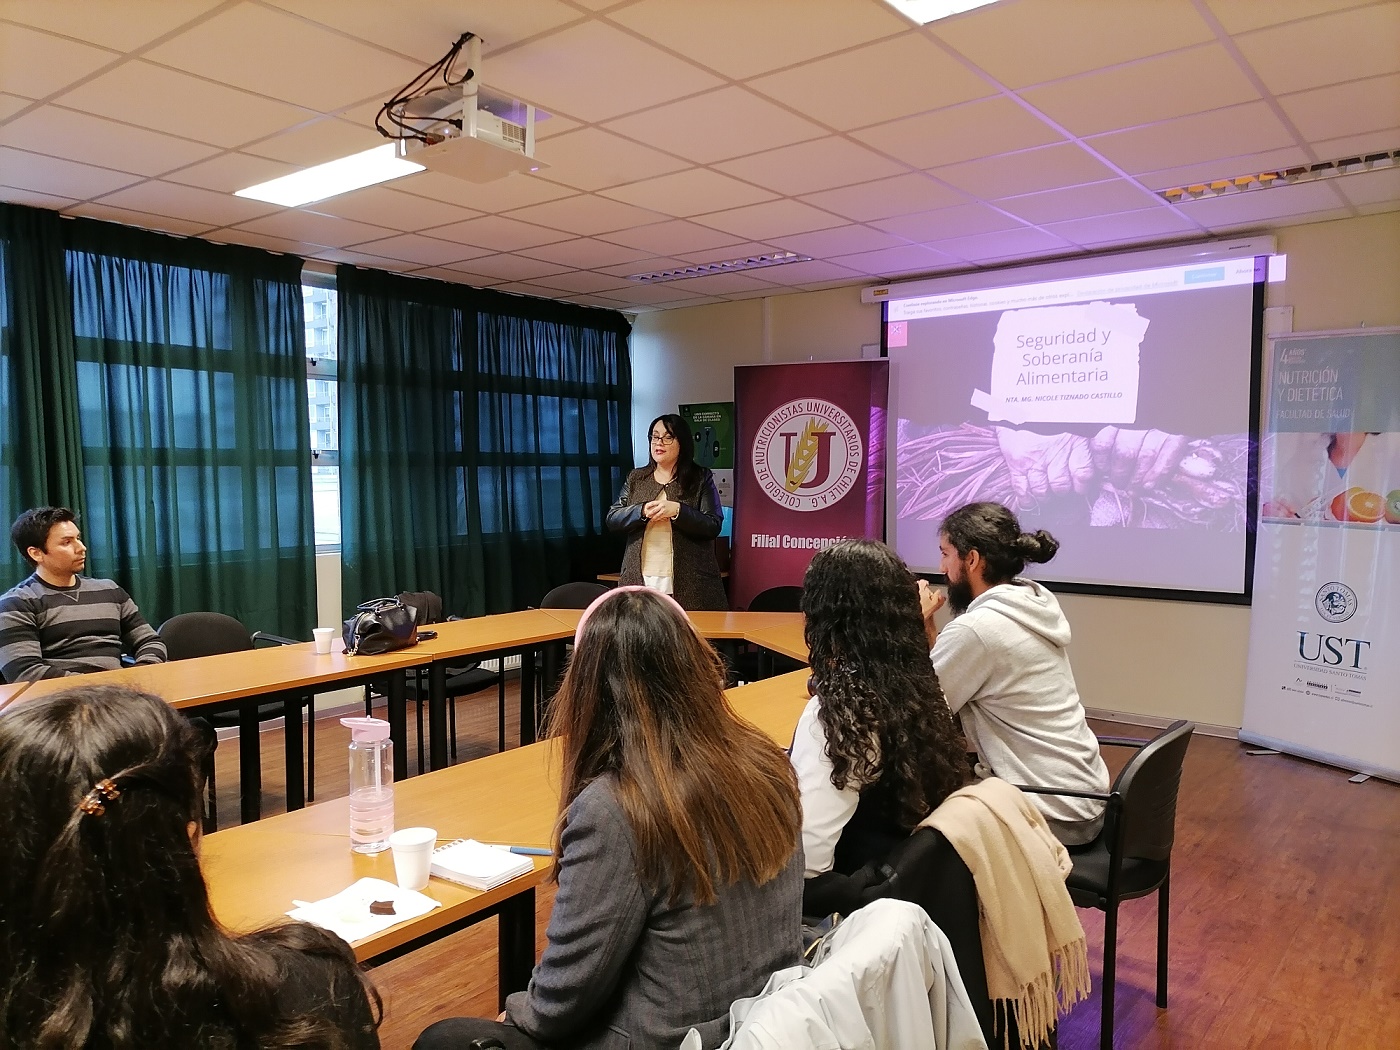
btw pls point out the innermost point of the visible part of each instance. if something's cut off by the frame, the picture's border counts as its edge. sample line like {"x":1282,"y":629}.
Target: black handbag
{"x":380,"y":626}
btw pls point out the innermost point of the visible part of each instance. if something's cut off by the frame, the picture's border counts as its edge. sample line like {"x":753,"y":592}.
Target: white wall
{"x":1157,"y":658}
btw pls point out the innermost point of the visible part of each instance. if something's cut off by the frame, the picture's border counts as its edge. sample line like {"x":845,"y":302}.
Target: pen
{"x":525,"y":851}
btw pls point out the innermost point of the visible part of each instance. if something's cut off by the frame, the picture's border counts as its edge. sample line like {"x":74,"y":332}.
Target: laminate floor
{"x":1285,"y":907}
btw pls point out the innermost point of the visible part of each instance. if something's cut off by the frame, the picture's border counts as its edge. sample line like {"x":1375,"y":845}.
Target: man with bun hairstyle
{"x":1003,"y":663}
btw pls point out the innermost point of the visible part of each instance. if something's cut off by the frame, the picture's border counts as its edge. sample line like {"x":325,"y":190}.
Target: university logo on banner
{"x":807,"y":455}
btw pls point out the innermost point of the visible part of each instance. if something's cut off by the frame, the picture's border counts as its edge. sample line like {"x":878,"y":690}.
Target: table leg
{"x":291,"y":733}
{"x":249,"y":761}
{"x":396,"y":706}
{"x":515,"y":949}
{"x":437,"y":715}
{"x":527,"y":696}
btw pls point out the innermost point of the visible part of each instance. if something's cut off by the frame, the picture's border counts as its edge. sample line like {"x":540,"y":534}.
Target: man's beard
{"x":959,"y":595}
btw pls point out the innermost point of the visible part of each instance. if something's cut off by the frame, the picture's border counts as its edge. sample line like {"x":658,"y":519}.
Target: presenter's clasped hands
{"x":661,"y":508}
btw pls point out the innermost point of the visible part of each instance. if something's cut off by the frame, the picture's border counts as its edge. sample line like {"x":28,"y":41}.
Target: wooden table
{"x":786,"y":639}
{"x":255,"y":871}
{"x":10,"y":690}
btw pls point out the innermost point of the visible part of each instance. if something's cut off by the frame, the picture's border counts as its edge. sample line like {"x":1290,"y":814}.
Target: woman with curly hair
{"x":876,"y":749}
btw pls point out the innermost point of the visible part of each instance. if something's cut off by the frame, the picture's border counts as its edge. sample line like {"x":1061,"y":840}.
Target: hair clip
{"x":92,"y":802}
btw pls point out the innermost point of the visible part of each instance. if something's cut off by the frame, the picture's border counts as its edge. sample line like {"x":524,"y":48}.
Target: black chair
{"x":579,"y":594}
{"x":755,"y":663}
{"x":777,"y":599}
{"x":1132,"y":855}
{"x":188,"y":636}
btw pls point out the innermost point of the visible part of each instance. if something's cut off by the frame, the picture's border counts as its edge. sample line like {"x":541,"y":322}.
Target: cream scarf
{"x":1032,"y":941}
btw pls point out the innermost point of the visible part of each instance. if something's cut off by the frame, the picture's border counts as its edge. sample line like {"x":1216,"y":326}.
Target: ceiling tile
{"x":230,"y":171}
{"x":1030,"y":41}
{"x":901,"y":195}
{"x":966,"y":132}
{"x":669,"y":237}
{"x":188,"y":203}
{"x":729,"y":251}
{"x":721,"y":284}
{"x":717,"y":126}
{"x":1239,"y":16}
{"x":1276,"y":203}
{"x":1004,"y":244}
{"x":357,"y":258}
{"x":141,"y":219}
{"x":529,"y":291}
{"x":912,"y":258}
{"x":1077,"y":202}
{"x":442,"y":273}
{"x":514,"y":191}
{"x":33,"y":198}
{"x":592,"y":159}
{"x":586,"y":215}
{"x":1371,"y":187}
{"x":507,"y":267}
{"x":842,"y":240}
{"x":1225,"y":168}
{"x":644,"y":294}
{"x":1143,"y":224}
{"x":582,"y":281}
{"x":1189,"y":81}
{"x":35,"y":65}
{"x":33,"y":171}
{"x":414,"y":247}
{"x":1045,"y":168}
{"x":586,"y":253}
{"x":425,"y":29}
{"x":740,"y":38}
{"x":1346,"y":109}
{"x":1347,"y":45}
{"x":108,"y":24}
{"x":691,"y":192}
{"x":761,"y":222}
{"x":282,"y":56}
{"x":80,"y":137}
{"x":1358,"y":145}
{"x":912,"y":72}
{"x":651,"y":264}
{"x":12,"y":104}
{"x":821,"y":164}
{"x":285,"y":245}
{"x":498,"y":233}
{"x":295,"y":224}
{"x":790,"y":274}
{"x":1249,"y":128}
{"x":961,"y":221}
{"x":325,"y":139}
{"x":384,"y":206}
{"x":179,"y":104}
{"x":594,"y":71}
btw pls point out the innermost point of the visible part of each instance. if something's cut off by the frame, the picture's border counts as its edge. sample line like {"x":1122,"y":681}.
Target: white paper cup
{"x":323,"y":636}
{"x":413,"y":856}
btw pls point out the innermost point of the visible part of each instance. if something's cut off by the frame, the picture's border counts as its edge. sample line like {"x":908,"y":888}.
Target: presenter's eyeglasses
{"x":663,"y":439}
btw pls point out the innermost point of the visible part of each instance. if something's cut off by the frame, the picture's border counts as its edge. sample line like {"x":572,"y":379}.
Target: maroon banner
{"x":809,"y":466}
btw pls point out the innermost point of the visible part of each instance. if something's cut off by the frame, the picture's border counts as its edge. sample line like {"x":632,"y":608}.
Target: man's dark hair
{"x":31,"y":529}
{"x":993,"y":531}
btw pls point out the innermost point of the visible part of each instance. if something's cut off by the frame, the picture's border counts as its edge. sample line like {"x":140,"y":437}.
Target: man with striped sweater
{"x":58,"y":623}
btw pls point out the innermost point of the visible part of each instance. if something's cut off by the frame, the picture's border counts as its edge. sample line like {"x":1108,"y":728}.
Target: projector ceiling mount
{"x":446,"y":120}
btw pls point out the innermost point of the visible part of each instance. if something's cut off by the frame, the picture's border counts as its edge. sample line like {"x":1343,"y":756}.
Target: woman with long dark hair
{"x":106,"y":937}
{"x":876,"y":749}
{"x":679,"y":873}
{"x":669,"y":510}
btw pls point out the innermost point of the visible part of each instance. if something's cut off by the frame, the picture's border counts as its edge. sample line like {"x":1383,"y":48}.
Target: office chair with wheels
{"x":1132,"y":855}
{"x":188,"y":636}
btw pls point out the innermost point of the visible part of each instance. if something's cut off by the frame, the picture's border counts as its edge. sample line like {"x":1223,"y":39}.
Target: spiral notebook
{"x":477,"y":865}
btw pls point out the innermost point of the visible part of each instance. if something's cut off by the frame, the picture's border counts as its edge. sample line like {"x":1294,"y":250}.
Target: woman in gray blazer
{"x":679,"y":867}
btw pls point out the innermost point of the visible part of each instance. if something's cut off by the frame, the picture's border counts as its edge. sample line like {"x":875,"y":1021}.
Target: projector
{"x":465,"y":129}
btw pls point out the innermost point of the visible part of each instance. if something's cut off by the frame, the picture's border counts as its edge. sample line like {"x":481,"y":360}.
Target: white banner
{"x":1324,"y":652}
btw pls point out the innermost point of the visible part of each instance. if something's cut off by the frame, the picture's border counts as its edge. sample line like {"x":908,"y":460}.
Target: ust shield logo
{"x":807,"y":454}
{"x":1335,"y":602}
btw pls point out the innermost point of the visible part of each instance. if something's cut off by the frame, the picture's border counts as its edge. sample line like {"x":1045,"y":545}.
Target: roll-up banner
{"x":1324,"y":650}
{"x":810,"y":468}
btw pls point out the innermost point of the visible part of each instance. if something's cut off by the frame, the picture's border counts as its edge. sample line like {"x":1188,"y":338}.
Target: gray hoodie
{"x":1004,"y":667}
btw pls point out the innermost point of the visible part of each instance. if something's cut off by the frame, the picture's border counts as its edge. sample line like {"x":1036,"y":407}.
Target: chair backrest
{"x":777,"y":599}
{"x":577,"y":595}
{"x":426,"y":606}
{"x":194,"y":634}
{"x":1148,"y":785}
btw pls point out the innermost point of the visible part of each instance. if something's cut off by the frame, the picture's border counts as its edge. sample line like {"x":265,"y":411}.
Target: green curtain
{"x":191,"y":391}
{"x":482,"y":439}
{"x":40,"y":454}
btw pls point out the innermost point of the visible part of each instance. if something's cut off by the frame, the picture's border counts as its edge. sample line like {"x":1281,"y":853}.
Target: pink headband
{"x":578,"y":632}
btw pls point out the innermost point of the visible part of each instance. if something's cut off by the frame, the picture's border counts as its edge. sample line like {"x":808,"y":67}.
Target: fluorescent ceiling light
{"x":922,"y":12}
{"x":749,"y":262}
{"x":332,"y":178}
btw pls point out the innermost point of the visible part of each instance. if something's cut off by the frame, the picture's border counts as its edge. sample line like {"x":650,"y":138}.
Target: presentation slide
{"x":1112,"y":410}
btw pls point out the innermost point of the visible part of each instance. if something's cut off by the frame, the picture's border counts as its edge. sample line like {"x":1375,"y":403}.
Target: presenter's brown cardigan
{"x":697,"y":580}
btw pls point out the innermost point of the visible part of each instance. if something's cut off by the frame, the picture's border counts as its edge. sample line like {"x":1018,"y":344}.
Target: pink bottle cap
{"x":366,"y":730}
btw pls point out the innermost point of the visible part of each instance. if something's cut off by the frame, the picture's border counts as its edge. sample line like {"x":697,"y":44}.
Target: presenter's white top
{"x":1004,"y":668}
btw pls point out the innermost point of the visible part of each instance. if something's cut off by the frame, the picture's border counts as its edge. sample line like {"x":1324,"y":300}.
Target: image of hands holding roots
{"x":1146,"y":479}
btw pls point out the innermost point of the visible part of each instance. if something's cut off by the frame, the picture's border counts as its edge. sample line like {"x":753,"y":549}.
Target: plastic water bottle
{"x":371,"y":784}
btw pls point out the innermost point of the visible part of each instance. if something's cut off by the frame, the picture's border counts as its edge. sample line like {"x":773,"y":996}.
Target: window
{"x":321,"y":395}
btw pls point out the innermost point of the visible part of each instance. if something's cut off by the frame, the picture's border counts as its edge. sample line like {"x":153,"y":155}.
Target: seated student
{"x":679,"y":872}
{"x":59,"y":623}
{"x":876,"y":749}
{"x":1004,"y":665}
{"x":106,"y":937}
